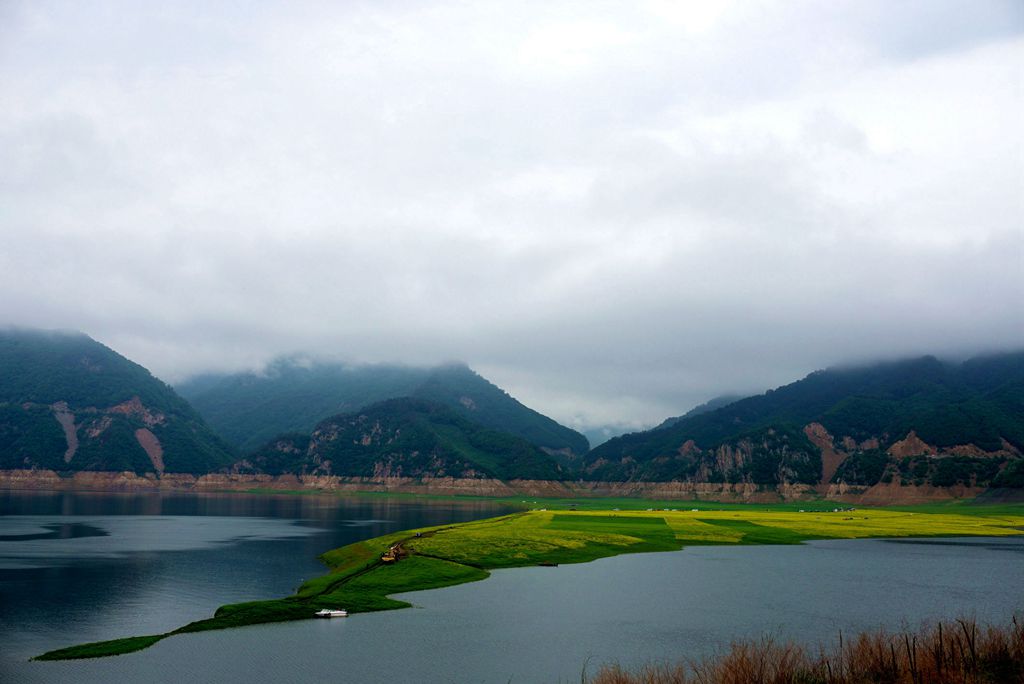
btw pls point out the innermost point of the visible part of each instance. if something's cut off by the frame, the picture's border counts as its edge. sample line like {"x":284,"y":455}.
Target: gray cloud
{"x":616,"y":213}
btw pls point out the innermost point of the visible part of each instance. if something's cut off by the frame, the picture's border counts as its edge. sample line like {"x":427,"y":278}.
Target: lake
{"x":78,"y":567}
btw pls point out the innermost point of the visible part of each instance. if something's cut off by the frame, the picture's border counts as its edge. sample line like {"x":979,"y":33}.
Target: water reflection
{"x":55,"y":531}
{"x":219,"y":504}
{"x":121,"y":564}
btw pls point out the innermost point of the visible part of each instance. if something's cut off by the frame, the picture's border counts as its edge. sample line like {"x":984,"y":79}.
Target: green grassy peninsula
{"x":360,"y":581}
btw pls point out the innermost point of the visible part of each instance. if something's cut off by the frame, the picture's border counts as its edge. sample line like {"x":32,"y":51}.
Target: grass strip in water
{"x":99,"y":649}
{"x":442,"y":556}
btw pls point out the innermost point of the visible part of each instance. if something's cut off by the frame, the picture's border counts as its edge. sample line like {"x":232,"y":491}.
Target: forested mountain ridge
{"x":707,"y":407}
{"x":406,"y":437}
{"x":292,"y":395}
{"x":920,"y":421}
{"x":69,"y":403}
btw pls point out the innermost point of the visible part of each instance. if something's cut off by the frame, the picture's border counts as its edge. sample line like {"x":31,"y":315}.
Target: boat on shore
{"x":331,"y":613}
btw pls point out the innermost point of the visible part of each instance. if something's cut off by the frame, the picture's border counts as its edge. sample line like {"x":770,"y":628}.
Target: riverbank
{"x":442,"y":556}
{"x":881,"y":494}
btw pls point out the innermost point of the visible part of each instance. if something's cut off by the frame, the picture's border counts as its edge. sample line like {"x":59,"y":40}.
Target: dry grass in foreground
{"x":956,"y":652}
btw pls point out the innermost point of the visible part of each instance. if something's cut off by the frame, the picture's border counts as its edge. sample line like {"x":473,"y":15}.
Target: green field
{"x":442,"y":556}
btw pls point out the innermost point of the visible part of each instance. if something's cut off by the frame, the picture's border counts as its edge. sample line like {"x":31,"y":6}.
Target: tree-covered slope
{"x":922,"y":421}
{"x":293,"y":395}
{"x":404,"y":437}
{"x":707,"y":407}
{"x":69,"y":403}
{"x":476,"y":398}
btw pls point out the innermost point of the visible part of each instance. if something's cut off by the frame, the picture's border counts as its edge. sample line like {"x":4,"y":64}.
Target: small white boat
{"x":331,"y":612}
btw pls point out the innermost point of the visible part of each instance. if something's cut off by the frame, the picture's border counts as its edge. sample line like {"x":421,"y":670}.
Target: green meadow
{"x":443,"y":556}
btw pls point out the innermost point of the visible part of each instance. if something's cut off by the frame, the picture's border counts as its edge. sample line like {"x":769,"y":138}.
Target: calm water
{"x":76,"y":568}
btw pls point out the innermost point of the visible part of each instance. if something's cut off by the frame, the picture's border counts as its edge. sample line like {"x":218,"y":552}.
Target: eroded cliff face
{"x":373,"y":450}
{"x":88,"y":430}
{"x":401,"y":439}
{"x":778,"y":457}
{"x":126,"y":436}
{"x":831,"y":458}
{"x":151,"y":445}
{"x":911,"y":445}
{"x":134,"y":408}
{"x":766,"y":456}
{"x":66,"y":420}
{"x":909,"y":461}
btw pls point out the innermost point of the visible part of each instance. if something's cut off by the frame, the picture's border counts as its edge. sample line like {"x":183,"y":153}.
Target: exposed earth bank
{"x":880,"y":494}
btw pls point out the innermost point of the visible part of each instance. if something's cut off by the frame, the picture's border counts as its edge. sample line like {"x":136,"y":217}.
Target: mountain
{"x":458,"y":387}
{"x":69,"y":403}
{"x":406,"y":437}
{"x":706,"y":407}
{"x":293,"y":395}
{"x":920,"y":421}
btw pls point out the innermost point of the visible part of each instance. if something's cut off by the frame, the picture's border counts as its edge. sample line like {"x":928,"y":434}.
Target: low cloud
{"x":615,"y":214}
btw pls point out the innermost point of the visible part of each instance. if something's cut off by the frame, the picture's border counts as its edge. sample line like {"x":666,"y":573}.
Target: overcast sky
{"x":613,"y":210}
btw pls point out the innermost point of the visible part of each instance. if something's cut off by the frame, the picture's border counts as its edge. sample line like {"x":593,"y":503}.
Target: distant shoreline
{"x":878,"y":495}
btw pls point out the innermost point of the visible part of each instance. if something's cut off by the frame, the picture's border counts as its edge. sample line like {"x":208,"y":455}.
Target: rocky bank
{"x":880,"y":494}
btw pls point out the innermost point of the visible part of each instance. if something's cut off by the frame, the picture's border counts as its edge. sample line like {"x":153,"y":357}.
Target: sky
{"x":615,"y":211}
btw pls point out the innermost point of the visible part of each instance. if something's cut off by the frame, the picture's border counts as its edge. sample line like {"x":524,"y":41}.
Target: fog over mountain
{"x":615,"y":212}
